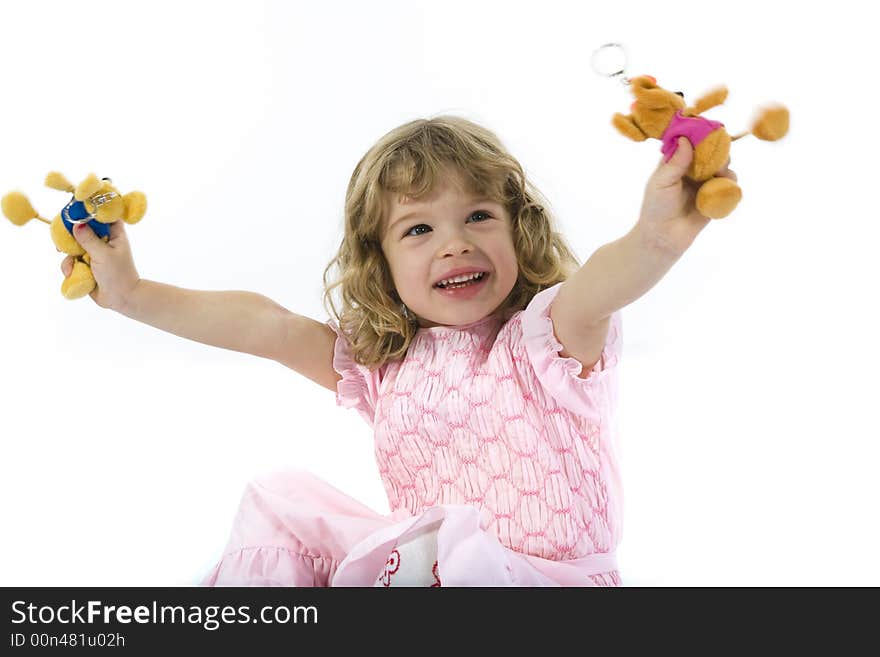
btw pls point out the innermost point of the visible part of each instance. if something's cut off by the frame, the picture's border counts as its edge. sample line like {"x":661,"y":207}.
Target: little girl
{"x":479,"y":351}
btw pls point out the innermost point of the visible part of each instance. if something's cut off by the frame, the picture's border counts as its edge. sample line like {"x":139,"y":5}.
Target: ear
{"x":648,"y":94}
{"x":88,"y":187}
{"x":135,"y":207}
{"x":628,"y":128}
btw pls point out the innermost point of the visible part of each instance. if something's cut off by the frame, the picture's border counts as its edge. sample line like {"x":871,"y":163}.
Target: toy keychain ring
{"x":97,"y":200}
{"x":65,"y":214}
{"x":610,"y":61}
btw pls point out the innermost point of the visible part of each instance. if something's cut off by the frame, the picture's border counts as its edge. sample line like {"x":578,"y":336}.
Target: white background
{"x":748,"y":412}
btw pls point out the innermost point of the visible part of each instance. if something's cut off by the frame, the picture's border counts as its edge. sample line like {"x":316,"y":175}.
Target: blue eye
{"x":475,"y":214}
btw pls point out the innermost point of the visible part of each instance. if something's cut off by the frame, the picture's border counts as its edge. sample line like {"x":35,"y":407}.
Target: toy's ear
{"x":55,"y":180}
{"x":88,"y":187}
{"x":627,"y":127}
{"x":135,"y":207}
{"x":648,"y":94}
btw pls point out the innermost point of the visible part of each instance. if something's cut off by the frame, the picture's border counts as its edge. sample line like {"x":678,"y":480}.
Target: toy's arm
{"x":57,"y":181}
{"x":707,"y":101}
{"x":627,"y":127}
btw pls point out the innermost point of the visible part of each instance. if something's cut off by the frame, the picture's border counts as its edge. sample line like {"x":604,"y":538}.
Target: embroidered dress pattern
{"x":487,"y":435}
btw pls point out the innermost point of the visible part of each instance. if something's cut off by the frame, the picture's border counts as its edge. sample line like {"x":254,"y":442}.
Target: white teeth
{"x":460,"y":279}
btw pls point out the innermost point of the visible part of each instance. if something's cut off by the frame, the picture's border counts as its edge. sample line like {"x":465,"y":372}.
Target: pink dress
{"x":500,"y":465}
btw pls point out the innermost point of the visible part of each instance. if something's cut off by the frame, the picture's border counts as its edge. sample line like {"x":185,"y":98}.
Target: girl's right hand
{"x":111,"y":262}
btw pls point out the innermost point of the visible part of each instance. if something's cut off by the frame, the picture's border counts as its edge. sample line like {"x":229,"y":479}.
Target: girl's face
{"x":448,"y":230}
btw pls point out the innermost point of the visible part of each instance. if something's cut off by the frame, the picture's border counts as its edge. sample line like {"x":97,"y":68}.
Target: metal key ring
{"x":65,"y":214}
{"x":617,"y":69}
{"x":100,"y":199}
{"x":97,"y":200}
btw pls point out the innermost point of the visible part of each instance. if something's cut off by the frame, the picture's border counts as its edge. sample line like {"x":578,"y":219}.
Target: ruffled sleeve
{"x":359,"y":387}
{"x":592,"y":397}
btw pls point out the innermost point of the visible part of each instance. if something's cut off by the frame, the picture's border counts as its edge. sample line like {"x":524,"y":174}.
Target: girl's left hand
{"x":669,"y":214}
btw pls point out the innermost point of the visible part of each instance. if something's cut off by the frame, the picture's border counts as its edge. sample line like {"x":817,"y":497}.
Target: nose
{"x":457,"y":248}
{"x":455,"y":244}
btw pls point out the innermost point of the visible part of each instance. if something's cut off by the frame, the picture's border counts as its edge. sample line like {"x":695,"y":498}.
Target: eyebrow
{"x":473,"y":200}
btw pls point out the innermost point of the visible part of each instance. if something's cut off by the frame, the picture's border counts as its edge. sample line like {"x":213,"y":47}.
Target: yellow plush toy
{"x":95,"y":202}
{"x":663,"y":115}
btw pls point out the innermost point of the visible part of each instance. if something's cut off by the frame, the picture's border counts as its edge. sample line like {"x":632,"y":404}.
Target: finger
{"x":727,"y":173}
{"x":117,"y":230}
{"x":724,"y":168}
{"x":67,"y":266}
{"x":671,"y":171}
{"x":87,"y":239}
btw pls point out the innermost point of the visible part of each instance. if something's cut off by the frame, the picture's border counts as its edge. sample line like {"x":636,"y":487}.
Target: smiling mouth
{"x":458,"y":286}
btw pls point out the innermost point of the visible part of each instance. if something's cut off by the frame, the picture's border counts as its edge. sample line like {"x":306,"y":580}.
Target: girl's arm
{"x":241,"y":321}
{"x":620,"y":272}
{"x":615,"y":275}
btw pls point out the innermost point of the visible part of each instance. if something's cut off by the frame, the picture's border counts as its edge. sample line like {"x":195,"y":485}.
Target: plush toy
{"x":663,"y":115}
{"x":95,"y":202}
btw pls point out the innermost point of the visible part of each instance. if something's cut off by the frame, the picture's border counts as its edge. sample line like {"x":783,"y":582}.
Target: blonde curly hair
{"x":409,"y":161}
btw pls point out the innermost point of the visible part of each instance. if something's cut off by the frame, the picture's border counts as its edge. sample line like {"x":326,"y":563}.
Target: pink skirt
{"x":293,"y":529}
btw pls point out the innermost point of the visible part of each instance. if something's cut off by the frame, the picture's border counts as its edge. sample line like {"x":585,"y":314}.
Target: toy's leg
{"x":718,"y":197}
{"x":80,"y":282}
{"x":62,"y":238}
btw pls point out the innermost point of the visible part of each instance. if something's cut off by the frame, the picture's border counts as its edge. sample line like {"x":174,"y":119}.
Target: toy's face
{"x":654,"y":106}
{"x":107,"y":203}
